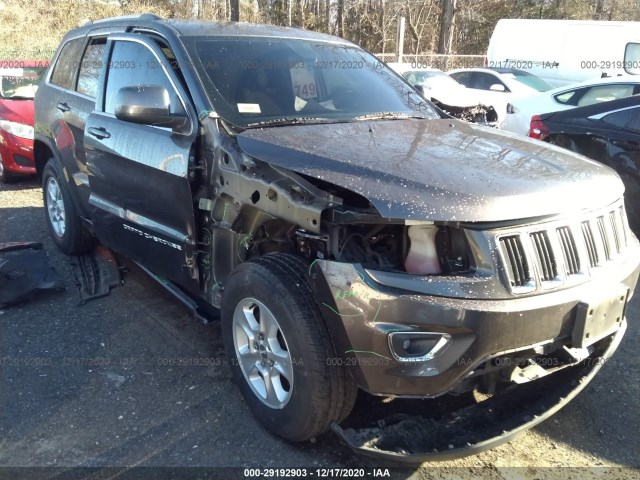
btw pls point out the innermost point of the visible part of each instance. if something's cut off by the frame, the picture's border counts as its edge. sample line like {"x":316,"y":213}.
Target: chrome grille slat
{"x":569,"y":250}
{"x":545,"y":259}
{"x":615,"y":229}
{"x":590,"y":242}
{"x":517,"y":265}
{"x":604,"y":237}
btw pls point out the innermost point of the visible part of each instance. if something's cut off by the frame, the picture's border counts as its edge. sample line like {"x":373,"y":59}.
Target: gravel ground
{"x":107,"y":395}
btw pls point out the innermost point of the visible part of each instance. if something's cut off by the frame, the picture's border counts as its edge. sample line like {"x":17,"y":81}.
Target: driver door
{"x":140,"y":197}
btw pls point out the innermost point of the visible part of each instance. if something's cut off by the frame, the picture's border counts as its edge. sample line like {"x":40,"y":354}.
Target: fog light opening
{"x":417,"y":346}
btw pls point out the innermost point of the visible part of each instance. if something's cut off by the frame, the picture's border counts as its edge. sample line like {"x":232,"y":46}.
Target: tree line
{"x":460,"y":27}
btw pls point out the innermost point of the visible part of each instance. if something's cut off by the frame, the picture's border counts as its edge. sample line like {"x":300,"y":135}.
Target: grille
{"x":545,"y":260}
{"x":558,"y":252}
{"x":517,"y":265}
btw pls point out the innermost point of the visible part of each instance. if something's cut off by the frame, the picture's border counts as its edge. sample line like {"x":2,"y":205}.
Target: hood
{"x":19,"y":111}
{"x":439,"y":170}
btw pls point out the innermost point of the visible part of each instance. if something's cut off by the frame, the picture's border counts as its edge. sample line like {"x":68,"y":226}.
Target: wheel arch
{"x":42,"y":152}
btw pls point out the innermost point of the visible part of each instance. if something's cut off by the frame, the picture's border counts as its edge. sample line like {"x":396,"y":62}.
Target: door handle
{"x":99,"y":133}
{"x":63,"y":107}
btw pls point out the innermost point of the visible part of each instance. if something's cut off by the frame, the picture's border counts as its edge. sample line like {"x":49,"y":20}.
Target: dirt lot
{"x":107,"y":395}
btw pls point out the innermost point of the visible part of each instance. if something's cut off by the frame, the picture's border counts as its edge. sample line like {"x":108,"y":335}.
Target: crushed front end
{"x":514,"y":314}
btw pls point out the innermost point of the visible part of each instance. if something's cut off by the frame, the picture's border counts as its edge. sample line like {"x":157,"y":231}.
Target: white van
{"x":566,"y":51}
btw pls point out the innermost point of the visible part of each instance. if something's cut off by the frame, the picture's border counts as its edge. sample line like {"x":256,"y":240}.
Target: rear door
{"x":141,"y":201}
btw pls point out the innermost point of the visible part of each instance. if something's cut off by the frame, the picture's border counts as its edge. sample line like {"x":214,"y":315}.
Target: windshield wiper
{"x":387,"y":116}
{"x":291,"y":121}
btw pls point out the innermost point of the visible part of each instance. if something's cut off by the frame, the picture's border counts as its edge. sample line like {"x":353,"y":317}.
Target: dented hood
{"x":439,"y":170}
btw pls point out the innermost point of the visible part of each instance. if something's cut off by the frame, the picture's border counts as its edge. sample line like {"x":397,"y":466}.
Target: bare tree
{"x":447,"y":25}
{"x":196,"y":9}
{"x":598,"y":14}
{"x":235,"y":10}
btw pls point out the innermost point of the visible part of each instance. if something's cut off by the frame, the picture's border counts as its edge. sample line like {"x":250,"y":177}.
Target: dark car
{"x":608,"y":132}
{"x":18,"y":83}
{"x":350,"y":235}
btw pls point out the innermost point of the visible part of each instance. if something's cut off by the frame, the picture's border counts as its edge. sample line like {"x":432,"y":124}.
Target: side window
{"x":604,"y":93}
{"x":65,"y":68}
{"x":133,"y":64}
{"x":90,"y":67}
{"x":464,"y":78}
{"x":629,"y":119}
{"x":483,"y":81}
{"x":569,"y":98}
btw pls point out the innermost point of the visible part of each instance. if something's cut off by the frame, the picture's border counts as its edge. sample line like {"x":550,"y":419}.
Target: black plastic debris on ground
{"x":25,"y":271}
{"x":96,"y":273}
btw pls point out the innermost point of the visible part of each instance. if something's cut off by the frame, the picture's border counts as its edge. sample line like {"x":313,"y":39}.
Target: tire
{"x":272,"y":291}
{"x":64,"y":224}
{"x":5,"y":175}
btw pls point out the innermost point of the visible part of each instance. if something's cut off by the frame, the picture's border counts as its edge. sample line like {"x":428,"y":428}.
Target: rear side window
{"x":64,"y":71}
{"x":90,"y":67}
{"x":566,"y":97}
{"x":628,"y":118}
{"x":604,"y":93}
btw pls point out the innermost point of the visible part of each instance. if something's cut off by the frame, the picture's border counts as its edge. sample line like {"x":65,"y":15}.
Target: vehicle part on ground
{"x":96,"y":273}
{"x":25,"y":271}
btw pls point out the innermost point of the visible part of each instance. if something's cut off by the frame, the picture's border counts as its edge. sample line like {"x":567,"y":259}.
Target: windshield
{"x":255,"y":81}
{"x":530,"y":81}
{"x":20,"y":83}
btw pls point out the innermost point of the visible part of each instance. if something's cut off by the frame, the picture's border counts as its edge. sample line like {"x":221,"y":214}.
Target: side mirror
{"x":496,"y":87}
{"x":147,"y":105}
{"x":419,"y":89}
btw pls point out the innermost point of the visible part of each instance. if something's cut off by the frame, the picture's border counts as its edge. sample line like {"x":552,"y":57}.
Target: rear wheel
{"x":65,"y":225}
{"x":280,"y":350}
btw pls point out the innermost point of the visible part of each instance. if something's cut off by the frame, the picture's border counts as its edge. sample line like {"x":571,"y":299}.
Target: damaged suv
{"x":349,"y":234}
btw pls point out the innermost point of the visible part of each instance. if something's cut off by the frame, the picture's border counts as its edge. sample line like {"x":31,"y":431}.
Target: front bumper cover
{"x":361,"y":314}
{"x":481,"y":426}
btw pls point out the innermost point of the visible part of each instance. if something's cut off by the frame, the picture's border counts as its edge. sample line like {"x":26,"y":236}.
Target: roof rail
{"x":142,"y":16}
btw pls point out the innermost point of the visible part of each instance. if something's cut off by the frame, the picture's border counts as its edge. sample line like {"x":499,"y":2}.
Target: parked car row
{"x":520,"y":111}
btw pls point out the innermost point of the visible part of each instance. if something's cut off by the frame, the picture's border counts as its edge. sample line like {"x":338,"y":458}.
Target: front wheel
{"x":65,"y":225}
{"x":280,"y":350}
{"x":5,"y":175}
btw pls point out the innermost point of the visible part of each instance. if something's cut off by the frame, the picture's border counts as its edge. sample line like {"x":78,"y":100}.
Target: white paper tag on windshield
{"x":248,"y":108}
{"x":299,"y":104}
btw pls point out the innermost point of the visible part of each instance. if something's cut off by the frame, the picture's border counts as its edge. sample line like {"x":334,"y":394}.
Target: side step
{"x":201,"y":312}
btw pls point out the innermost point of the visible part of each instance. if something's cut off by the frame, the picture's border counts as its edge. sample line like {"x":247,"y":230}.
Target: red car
{"x":19,"y":81}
